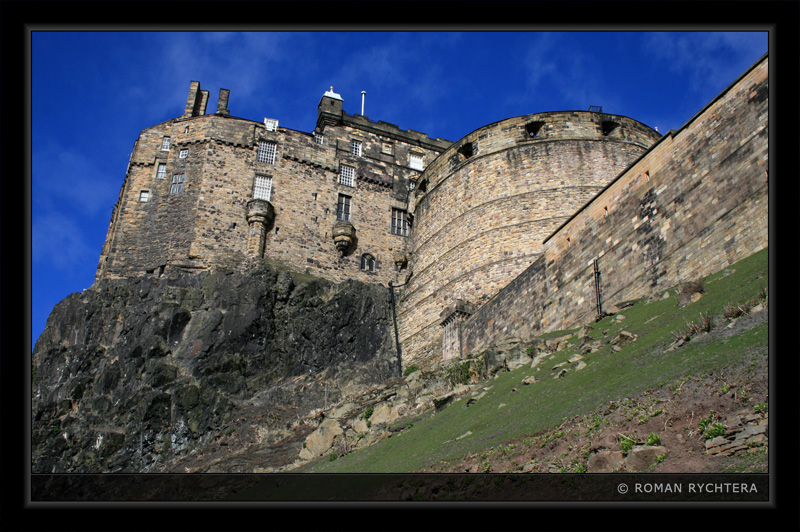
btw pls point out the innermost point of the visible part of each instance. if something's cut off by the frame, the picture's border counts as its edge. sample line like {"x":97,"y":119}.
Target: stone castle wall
{"x":503,"y":226}
{"x":485,"y":206}
{"x":695,"y":203}
{"x":205,"y":225}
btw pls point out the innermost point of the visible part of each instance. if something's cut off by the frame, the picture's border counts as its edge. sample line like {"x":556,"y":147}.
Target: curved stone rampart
{"x":487,"y":203}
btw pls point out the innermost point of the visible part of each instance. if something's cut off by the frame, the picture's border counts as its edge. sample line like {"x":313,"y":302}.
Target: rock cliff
{"x":133,"y":372}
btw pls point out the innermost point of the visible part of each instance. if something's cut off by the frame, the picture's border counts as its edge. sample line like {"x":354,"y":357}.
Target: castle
{"x":522,"y":226}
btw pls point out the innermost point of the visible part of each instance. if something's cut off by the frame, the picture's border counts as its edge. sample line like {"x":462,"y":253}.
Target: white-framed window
{"x":183,"y":154}
{"x":319,"y":139}
{"x":347,"y":175}
{"x":343,"y":208}
{"x":161,"y":171}
{"x":177,"y":184}
{"x":415,"y":161}
{"x":144,"y":196}
{"x":270,"y":124}
{"x":165,"y":144}
{"x":355,"y":148}
{"x":399,"y":222}
{"x":262,"y":187}
{"x":266,"y":152}
{"x":367,"y":263}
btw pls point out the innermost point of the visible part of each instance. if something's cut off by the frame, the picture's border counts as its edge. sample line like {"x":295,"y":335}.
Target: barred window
{"x":165,"y":144}
{"x":319,"y":139}
{"x":177,"y":184}
{"x":161,"y":171}
{"x":367,"y":263}
{"x":399,"y":222}
{"x":343,"y":208}
{"x":355,"y":148}
{"x":266,"y":152}
{"x":415,"y":161}
{"x":262,"y":188}
{"x":347,"y":175}
{"x":144,"y":195}
{"x":183,"y":154}
{"x":270,"y":124}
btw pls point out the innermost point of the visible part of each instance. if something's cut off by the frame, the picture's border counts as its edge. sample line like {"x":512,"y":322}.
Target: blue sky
{"x":93,"y":93}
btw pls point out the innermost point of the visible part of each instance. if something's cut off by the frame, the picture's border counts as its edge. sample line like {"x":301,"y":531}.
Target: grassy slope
{"x":608,"y":376}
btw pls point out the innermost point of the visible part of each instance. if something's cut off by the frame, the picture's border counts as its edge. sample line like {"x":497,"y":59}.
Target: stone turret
{"x":260,"y":215}
{"x":329,"y":110}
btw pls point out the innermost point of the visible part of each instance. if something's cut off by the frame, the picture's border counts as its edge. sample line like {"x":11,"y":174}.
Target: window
{"x":270,"y":124}
{"x":177,"y":184}
{"x":266,"y":152}
{"x":532,"y":129}
{"x":262,"y":188}
{"x":319,"y":139}
{"x":183,"y":154}
{"x":608,"y":126}
{"x":161,"y":171}
{"x":347,"y":175}
{"x":399,"y":222}
{"x":355,"y":148}
{"x":387,"y":148}
{"x":165,"y":144}
{"x":415,"y":161}
{"x":343,"y":208}
{"x":367,"y":263}
{"x":144,"y":196}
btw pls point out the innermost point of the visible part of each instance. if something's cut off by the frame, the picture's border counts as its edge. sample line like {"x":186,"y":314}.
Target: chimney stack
{"x":196,"y":102}
{"x":222,"y":105}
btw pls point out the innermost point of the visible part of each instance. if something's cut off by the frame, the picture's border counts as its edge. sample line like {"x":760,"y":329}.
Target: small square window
{"x":165,"y":144}
{"x":270,"y":124}
{"x":144,"y":196}
{"x":161,"y":171}
{"x":319,"y":139}
{"x":347,"y":176}
{"x":387,"y":148}
{"x":183,"y":154}
{"x":415,"y":161}
{"x":177,"y":184}
{"x":355,"y":148}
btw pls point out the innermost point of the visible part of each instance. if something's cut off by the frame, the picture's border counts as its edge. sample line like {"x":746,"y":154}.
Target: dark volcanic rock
{"x":133,"y":372}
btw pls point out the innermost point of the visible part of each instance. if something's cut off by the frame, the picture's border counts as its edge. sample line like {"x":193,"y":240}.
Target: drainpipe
{"x":597,"y":290}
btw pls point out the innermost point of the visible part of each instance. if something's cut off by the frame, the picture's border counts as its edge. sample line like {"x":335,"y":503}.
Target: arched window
{"x":367,"y":263}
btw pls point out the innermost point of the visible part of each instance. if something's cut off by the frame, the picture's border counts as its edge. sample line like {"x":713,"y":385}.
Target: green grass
{"x":608,"y":376}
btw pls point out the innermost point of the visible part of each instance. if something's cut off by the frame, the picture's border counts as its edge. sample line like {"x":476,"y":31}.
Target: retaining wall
{"x":696,"y":202}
